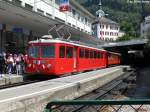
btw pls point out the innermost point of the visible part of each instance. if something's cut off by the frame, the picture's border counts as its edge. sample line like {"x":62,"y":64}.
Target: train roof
{"x":113,"y":52}
{"x":76,"y":43}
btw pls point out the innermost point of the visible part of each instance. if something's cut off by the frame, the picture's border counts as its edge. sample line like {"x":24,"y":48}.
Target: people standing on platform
{"x":2,"y":64}
{"x":10,"y":63}
{"x":23,"y":63}
{"x":14,"y":64}
{"x":25,"y":59}
{"x":18,"y":62}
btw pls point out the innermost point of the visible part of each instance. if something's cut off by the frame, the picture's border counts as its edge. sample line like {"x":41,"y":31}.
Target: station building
{"x":106,"y":29}
{"x":25,"y":20}
{"x":145,"y":25}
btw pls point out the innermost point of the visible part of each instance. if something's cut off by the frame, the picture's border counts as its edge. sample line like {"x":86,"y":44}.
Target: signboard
{"x":17,"y":30}
{"x":64,"y":5}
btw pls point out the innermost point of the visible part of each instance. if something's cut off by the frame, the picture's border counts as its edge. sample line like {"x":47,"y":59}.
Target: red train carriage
{"x":57,"y":57}
{"x":113,"y":58}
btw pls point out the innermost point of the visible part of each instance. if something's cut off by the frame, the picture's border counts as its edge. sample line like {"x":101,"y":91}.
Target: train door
{"x":75,"y":57}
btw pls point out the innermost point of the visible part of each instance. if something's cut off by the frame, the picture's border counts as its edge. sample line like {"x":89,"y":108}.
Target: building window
{"x":101,"y":32}
{"x":29,"y":7}
{"x":102,"y":38}
{"x":106,"y":26}
{"x":105,"y":33}
{"x":103,"y":26}
{"x":40,"y":11}
{"x":82,"y":19}
{"x":86,"y":20}
{"x":48,"y":14}
{"x":107,"y":39}
{"x":17,"y":2}
{"x":57,"y":2}
{"x":111,"y":39}
{"x":111,"y":27}
{"x":78,"y":16}
{"x":111,"y":33}
{"x":73,"y":12}
{"x":116,"y":34}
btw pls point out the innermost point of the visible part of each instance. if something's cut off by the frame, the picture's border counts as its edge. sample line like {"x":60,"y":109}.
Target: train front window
{"x":33,"y":51}
{"x":47,"y":51}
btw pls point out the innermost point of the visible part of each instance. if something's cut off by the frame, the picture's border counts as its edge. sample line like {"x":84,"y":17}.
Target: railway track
{"x":107,"y":91}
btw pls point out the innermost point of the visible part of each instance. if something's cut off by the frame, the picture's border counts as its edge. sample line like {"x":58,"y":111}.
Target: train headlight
{"x":38,"y":62}
{"x":29,"y":65}
{"x":49,"y":66}
{"x":33,"y":66}
{"x":43,"y":66}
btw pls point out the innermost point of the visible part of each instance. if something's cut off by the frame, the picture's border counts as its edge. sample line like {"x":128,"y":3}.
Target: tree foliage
{"x":148,"y":37}
{"x":128,"y":15}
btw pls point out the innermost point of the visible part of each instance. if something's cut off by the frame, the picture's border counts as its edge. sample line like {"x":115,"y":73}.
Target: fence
{"x":142,"y":105}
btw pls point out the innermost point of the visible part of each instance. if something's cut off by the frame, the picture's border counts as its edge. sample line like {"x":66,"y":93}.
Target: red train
{"x":57,"y":57}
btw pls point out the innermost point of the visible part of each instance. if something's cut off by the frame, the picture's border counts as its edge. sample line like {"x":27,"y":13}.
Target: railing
{"x":142,"y":105}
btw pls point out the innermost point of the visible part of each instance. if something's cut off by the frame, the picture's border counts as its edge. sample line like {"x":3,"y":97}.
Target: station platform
{"x":34,"y":97}
{"x":6,"y":79}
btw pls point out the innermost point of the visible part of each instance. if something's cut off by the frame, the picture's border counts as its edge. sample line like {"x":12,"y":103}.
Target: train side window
{"x":95,"y":54}
{"x":98,"y":55}
{"x":81,"y":54}
{"x":48,"y":51}
{"x":69,"y":52}
{"x":91,"y":54}
{"x":102,"y":54}
{"x":61,"y":51}
{"x":86,"y":53}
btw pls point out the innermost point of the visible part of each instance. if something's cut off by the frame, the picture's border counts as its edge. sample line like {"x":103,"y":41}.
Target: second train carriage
{"x":113,"y":58}
{"x":58,"y":57}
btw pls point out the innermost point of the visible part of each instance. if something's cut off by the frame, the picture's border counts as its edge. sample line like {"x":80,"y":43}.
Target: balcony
{"x":51,"y":10}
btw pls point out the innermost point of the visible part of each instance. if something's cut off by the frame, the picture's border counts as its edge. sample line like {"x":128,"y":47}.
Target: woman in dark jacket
{"x":2,"y":64}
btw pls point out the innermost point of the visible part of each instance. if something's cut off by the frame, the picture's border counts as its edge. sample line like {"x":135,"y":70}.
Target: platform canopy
{"x":26,"y":19}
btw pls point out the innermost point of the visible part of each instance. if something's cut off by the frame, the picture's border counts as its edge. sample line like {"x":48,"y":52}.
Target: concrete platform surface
{"x":6,"y":79}
{"x":34,"y":97}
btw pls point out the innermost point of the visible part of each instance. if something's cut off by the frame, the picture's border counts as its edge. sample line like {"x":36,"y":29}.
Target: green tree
{"x":128,"y":15}
{"x":125,"y":37}
{"x":148,"y":37}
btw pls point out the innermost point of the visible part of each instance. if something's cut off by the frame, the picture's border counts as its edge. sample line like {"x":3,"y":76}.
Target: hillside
{"x":129,"y":15}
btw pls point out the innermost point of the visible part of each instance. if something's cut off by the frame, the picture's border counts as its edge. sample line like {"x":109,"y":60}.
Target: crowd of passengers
{"x":12,"y":63}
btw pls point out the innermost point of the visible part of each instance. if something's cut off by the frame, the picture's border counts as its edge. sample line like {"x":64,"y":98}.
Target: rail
{"x":134,"y":105}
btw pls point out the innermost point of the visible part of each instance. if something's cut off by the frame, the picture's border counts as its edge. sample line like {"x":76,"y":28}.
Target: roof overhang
{"x":18,"y":16}
{"x":125,"y":43}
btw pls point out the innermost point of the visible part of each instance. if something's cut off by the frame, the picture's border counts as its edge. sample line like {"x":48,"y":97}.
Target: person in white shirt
{"x":10,"y":61}
{"x":18,"y":65}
